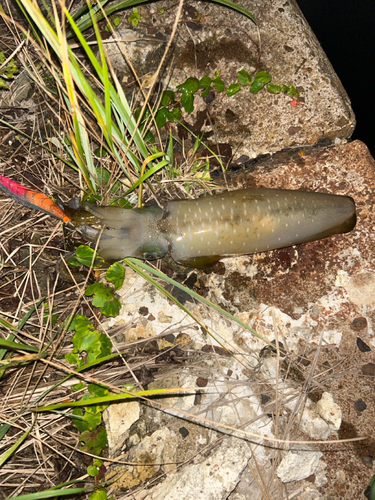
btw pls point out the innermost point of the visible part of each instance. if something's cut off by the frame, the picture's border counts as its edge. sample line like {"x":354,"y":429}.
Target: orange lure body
{"x":31,"y":198}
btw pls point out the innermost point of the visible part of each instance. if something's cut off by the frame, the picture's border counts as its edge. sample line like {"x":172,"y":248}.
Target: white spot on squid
{"x":286,"y":225}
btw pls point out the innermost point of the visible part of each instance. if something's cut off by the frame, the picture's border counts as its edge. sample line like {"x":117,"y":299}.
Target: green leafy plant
{"x":134,"y":17}
{"x":171,"y":102}
{"x":114,"y":23}
{"x":7,"y":71}
{"x":91,"y":346}
{"x":89,"y":343}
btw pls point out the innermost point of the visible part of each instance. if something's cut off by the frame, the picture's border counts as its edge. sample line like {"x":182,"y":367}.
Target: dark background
{"x":346,"y":31}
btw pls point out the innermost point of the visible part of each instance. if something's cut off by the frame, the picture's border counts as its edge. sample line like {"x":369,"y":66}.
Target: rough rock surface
{"x":305,"y":295}
{"x":212,"y":38}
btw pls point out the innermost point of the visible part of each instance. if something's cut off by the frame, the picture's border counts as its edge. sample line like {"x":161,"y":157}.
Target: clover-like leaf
{"x":93,"y":471}
{"x":94,"y":440}
{"x":190,"y":86}
{"x":116,"y":275}
{"x":111,"y":308}
{"x":85,"y":255}
{"x":233,"y":89}
{"x":243,"y":77}
{"x":218,"y":84}
{"x":274,"y":89}
{"x":261,"y":79}
{"x":187,"y":101}
{"x":167,"y":98}
{"x":134,"y":17}
{"x":162,"y":116}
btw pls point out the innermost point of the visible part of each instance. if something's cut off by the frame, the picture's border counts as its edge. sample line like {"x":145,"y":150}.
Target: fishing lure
{"x":31,"y":198}
{"x":200,"y":232}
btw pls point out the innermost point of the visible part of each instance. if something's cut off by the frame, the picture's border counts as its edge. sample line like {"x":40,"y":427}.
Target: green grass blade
{"x":236,"y":7}
{"x":115,"y":398}
{"x":159,"y":274}
{"x":4,"y":457}
{"x":15,"y":346}
{"x":53,"y":493}
{"x":133,"y":264}
{"x":148,"y":174}
{"x":86,"y":21}
{"x":21,"y":324}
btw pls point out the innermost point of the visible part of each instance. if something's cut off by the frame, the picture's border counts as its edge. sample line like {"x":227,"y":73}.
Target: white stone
{"x":329,"y":411}
{"x":313,"y":425}
{"x":297,"y":465}
{"x":117,"y":420}
{"x":212,"y":478}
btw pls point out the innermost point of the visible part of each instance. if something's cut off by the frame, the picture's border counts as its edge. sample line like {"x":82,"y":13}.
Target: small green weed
{"x":171,"y":102}
{"x":134,"y":17}
{"x":91,"y":345}
{"x":8,"y":71}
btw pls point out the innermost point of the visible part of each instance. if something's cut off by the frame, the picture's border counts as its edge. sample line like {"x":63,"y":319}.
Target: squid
{"x":200,"y":232}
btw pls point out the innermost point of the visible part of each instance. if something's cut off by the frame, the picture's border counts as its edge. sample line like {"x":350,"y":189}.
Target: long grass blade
{"x":138,"y":263}
{"x":115,"y":398}
{"x":7,"y":454}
